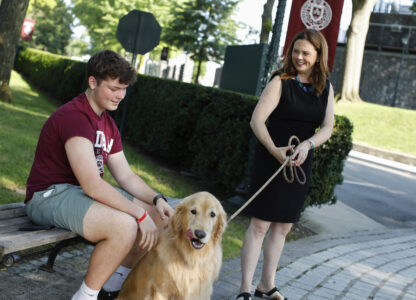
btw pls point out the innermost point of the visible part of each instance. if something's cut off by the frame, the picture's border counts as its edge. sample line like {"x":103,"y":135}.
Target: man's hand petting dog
{"x":164,"y":210}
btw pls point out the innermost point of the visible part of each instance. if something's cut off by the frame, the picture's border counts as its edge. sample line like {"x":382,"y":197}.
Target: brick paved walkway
{"x":356,"y":265}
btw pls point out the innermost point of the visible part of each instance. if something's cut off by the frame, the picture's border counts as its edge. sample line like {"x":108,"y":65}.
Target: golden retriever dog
{"x":187,"y":258}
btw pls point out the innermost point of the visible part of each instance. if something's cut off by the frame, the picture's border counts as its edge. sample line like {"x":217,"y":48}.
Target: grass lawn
{"x":385,"y":127}
{"x":20,"y":124}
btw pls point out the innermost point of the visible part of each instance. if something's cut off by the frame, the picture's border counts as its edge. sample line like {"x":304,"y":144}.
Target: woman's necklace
{"x":306,"y":88}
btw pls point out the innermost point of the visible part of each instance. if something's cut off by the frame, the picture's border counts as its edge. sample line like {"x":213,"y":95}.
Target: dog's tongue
{"x":189,"y":234}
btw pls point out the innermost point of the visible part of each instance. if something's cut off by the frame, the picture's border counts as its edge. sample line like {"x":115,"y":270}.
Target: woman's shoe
{"x":244,"y":296}
{"x":272,"y":294}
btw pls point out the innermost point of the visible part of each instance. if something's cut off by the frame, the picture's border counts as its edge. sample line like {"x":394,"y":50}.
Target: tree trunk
{"x":273,"y":49}
{"x":12,"y":13}
{"x":198,"y":71}
{"x":266,"y":21}
{"x":354,"y":52}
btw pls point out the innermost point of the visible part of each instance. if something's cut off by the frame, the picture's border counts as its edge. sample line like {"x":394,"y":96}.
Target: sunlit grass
{"x":20,"y":124}
{"x":234,"y":236}
{"x":159,"y":178}
{"x":381,"y":126}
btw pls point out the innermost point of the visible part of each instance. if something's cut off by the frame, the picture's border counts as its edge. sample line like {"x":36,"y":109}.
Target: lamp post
{"x":270,"y":61}
{"x":405,"y":43}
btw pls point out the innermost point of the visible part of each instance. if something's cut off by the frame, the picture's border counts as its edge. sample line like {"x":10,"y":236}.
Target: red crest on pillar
{"x":321,"y":15}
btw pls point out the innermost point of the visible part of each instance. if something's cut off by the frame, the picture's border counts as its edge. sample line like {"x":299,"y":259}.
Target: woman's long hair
{"x":319,"y":72}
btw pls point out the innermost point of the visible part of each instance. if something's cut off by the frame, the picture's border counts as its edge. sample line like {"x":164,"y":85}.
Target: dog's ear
{"x":176,"y":220}
{"x":220,"y":226}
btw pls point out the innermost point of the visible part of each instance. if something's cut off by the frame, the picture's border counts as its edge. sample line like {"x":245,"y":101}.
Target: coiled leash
{"x":291,"y":179}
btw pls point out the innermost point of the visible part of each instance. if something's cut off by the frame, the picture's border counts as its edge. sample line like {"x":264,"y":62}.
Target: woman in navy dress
{"x":298,"y":100}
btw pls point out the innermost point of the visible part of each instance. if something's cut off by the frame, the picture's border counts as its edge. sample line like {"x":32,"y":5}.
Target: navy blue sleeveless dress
{"x":299,"y":113}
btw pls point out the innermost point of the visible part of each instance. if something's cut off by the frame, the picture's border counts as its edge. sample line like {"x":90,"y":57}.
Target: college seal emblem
{"x":316,"y":14}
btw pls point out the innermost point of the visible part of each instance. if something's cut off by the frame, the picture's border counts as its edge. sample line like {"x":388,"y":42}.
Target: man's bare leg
{"x":115,"y":233}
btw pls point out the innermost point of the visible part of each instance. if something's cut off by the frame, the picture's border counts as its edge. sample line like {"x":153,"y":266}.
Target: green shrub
{"x":162,"y":115}
{"x":73,"y":81}
{"x":221,"y":140}
{"x":195,"y":128}
{"x":58,"y":76}
{"x":328,"y":164}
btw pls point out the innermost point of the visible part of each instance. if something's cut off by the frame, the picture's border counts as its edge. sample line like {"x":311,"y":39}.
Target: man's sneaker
{"x":104,"y":295}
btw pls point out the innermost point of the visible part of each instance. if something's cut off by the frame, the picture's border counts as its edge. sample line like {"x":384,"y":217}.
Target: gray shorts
{"x":63,"y":206}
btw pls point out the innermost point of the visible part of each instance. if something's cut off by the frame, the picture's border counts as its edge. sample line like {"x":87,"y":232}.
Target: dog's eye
{"x":212,"y":214}
{"x":193,"y":211}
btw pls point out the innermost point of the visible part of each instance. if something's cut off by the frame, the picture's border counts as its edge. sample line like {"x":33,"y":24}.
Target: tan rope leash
{"x":293,"y":175}
{"x":293,"y":169}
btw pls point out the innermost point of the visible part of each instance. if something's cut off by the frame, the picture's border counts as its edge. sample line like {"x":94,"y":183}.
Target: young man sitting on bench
{"x":66,"y":189}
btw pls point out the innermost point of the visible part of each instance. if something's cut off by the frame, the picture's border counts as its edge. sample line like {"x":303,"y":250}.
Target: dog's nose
{"x":200,"y":233}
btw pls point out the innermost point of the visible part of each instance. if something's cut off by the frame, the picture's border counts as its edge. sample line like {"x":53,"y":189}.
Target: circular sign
{"x":138,"y":32}
{"x":316,"y":14}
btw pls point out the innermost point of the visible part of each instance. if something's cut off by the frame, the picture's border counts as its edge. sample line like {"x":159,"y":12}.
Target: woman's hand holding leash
{"x":287,"y":162}
{"x":300,"y":153}
{"x":280,"y":153}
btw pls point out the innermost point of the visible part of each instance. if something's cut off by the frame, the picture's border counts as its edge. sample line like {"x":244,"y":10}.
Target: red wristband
{"x":142,"y":217}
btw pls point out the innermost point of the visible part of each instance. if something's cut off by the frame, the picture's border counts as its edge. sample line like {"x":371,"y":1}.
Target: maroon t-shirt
{"x":75,"y":118}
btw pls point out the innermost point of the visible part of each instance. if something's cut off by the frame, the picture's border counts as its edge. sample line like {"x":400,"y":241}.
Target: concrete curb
{"x":382,"y":162}
{"x":388,"y":155}
{"x":337,"y":219}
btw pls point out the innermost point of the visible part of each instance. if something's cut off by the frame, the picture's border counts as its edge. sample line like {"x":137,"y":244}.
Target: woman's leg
{"x":273,"y":248}
{"x":251,"y":251}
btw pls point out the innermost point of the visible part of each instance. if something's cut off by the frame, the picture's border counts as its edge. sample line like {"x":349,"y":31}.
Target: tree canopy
{"x":203,"y":28}
{"x":101,"y":17}
{"x":53,"y":25}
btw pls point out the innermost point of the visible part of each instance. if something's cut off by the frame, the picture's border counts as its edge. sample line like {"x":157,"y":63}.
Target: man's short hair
{"x":109,"y":64}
